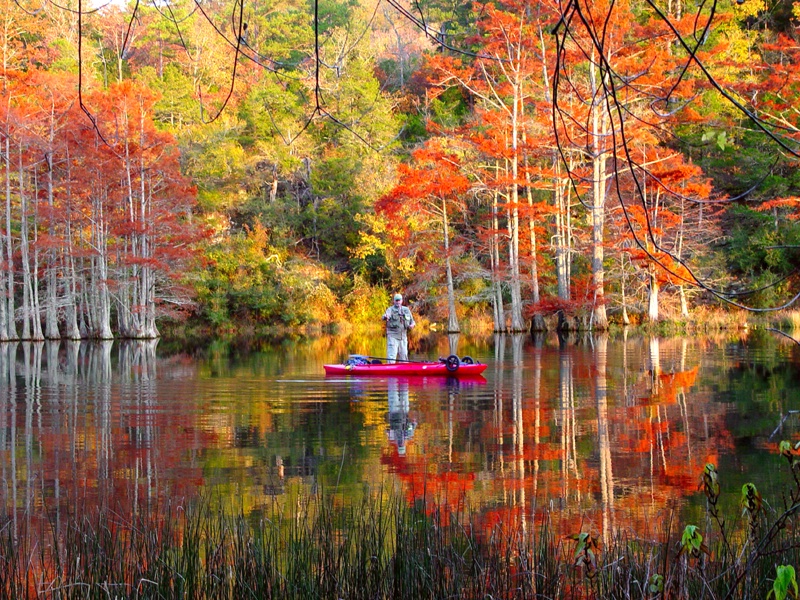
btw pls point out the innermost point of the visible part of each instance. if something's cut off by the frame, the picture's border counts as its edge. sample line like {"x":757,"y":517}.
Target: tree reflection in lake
{"x":609,"y":432}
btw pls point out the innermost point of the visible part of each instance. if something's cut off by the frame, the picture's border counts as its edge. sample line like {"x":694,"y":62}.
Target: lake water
{"x":607,"y":432}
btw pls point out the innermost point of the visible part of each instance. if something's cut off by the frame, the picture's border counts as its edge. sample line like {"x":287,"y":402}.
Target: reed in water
{"x":383,"y":548}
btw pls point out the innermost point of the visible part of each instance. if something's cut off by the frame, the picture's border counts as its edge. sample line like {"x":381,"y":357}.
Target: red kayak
{"x":451,"y":366}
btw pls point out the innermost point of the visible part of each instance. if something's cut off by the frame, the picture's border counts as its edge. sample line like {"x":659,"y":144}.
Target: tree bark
{"x":3,"y":284}
{"x":51,"y":313}
{"x":452,"y":319}
{"x":3,"y":293}
{"x":600,"y":131}
{"x":98,"y":311}
{"x":652,"y":308}
{"x":625,"y":319}
{"x":517,"y":322}
{"x":9,"y":275}
{"x":537,"y":322}
{"x":497,"y":289}
{"x":31,"y":325}
{"x":563,"y":243}
{"x":71,"y":329}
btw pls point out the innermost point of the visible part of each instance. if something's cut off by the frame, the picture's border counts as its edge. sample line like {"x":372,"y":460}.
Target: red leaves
{"x":791,"y":203}
{"x":434,"y":176}
{"x":125,"y":201}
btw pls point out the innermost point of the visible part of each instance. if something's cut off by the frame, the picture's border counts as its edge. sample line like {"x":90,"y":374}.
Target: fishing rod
{"x":416,"y":362}
{"x":467,"y":360}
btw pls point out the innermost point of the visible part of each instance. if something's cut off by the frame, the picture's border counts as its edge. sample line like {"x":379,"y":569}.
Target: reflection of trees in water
{"x":598,"y":429}
{"x":65,"y":435}
{"x":603,"y":435}
{"x":566,"y":403}
{"x":452,"y":343}
{"x":609,"y":438}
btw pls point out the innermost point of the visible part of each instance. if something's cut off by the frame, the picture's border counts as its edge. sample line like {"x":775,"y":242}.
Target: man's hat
{"x":398,"y":296}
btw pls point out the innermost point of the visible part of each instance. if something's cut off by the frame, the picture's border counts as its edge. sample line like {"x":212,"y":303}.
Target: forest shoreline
{"x":708,"y":322}
{"x":703,"y":321}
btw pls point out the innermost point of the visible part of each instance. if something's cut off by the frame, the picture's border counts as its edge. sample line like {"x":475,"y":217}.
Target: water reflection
{"x":609,"y":431}
{"x":401,"y":427}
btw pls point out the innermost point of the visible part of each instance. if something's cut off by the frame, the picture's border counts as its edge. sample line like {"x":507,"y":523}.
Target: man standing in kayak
{"x":398,"y":321}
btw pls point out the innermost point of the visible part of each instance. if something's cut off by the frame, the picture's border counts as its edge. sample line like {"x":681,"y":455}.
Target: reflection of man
{"x":401,"y":428}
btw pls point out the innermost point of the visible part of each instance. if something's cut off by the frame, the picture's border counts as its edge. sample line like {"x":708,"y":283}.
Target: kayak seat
{"x":377,"y":361}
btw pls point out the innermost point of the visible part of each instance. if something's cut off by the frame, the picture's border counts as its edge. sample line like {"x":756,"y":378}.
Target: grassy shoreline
{"x":381,"y":548}
{"x":193,"y":335}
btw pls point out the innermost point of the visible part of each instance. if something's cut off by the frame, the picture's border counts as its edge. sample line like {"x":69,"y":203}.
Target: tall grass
{"x":789,"y":320}
{"x":381,"y":548}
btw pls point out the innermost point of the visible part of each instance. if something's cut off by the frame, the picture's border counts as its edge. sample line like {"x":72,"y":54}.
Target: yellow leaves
{"x":749,"y":8}
{"x":217,"y":222}
{"x":374,"y":241}
{"x":365,"y":303}
{"x":372,"y":238}
{"x":740,"y":44}
{"x":258,"y":235}
{"x":368,"y":245}
{"x":796,"y":10}
{"x":731,"y":54}
{"x":406,"y":265}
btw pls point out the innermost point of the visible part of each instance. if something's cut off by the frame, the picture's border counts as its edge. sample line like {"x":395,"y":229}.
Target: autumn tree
{"x":430,"y":189}
{"x":660,"y":219}
{"x":506,"y":79}
{"x":147,"y":206}
{"x":289,"y":121}
{"x":98,"y":218}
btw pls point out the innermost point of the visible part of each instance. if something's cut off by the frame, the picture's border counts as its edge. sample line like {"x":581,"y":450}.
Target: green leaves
{"x":585,"y":552}
{"x":785,"y":585}
{"x":751,"y":506}
{"x":711,"y":483}
{"x":791,"y":453}
{"x":751,"y":501}
{"x":720,"y":138}
{"x":692,"y":542}
{"x":655,"y":584}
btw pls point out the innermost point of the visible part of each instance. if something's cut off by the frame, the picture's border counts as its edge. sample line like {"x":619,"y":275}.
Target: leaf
{"x":692,"y":541}
{"x":722,"y":140}
{"x":711,"y":482}
{"x":656,"y":584}
{"x":785,"y":584}
{"x":751,"y":500}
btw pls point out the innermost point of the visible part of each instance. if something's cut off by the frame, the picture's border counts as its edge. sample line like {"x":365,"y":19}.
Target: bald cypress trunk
{"x":498,"y":311}
{"x":51,"y":290}
{"x":563,"y":250}
{"x":31,"y":324}
{"x":70,"y":283}
{"x":452,"y":319}
{"x":517,"y":322}
{"x":97,"y":298}
{"x":3,"y":284}
{"x":600,"y":134}
{"x":11,"y":327}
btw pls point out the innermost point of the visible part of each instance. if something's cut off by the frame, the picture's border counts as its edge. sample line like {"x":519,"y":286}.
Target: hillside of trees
{"x":527,"y":163}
